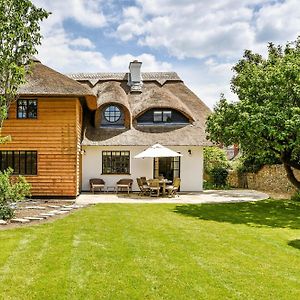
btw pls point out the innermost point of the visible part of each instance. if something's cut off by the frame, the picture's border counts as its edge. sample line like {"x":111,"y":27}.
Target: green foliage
{"x":6,"y":212}
{"x":214,"y":157}
{"x":207,"y":185}
{"x":219,"y":176}
{"x":19,"y":36}
{"x":252,"y":163}
{"x":266,"y":120}
{"x":296,"y":197}
{"x":11,"y":190}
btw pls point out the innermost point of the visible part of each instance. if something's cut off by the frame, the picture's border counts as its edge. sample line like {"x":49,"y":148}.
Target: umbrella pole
{"x":156,"y":167}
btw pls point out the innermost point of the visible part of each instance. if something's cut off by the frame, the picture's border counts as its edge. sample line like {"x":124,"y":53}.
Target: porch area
{"x":208,"y":196}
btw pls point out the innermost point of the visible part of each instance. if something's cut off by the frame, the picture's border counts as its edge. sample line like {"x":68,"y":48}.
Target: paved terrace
{"x":208,"y":196}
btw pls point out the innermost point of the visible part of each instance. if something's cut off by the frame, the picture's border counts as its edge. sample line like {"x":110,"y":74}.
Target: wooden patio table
{"x":163,"y":183}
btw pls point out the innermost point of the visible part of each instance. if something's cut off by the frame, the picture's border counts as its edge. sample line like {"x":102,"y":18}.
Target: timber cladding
{"x":55,"y":135}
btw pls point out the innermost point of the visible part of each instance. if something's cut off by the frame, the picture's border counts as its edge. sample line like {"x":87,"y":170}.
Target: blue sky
{"x":198,"y":39}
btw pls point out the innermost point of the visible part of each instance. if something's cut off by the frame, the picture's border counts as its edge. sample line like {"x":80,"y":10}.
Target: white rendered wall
{"x":191,"y":166}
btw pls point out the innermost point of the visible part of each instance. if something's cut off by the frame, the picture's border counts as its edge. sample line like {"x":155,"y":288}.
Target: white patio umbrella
{"x":157,"y":150}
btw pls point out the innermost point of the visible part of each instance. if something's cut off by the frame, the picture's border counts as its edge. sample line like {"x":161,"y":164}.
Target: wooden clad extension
{"x":56,"y":136}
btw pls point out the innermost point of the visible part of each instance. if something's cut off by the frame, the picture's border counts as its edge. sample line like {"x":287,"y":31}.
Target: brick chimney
{"x":135,"y":77}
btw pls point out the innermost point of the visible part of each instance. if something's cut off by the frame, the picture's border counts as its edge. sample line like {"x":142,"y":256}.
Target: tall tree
{"x":266,"y":119}
{"x":19,"y":36}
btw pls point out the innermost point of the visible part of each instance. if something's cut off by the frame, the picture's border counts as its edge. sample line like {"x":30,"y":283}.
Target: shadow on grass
{"x":295,"y":244}
{"x":271,"y":213}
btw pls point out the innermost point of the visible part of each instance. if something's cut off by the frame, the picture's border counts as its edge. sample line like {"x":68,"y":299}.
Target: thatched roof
{"x":160,"y":98}
{"x":44,"y":81}
{"x":94,"y":78}
{"x":164,"y":90}
{"x":111,"y":92}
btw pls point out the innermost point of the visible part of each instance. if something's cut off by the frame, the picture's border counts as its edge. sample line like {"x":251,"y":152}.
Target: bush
{"x":6,"y":212}
{"x":219,"y":176}
{"x":12,"y":189}
{"x":296,"y":197}
{"x":214,"y":157}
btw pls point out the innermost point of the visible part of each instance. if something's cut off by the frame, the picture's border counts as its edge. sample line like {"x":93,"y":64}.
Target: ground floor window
{"x":22,"y":162}
{"x":115,"y":162}
{"x":168,"y":167}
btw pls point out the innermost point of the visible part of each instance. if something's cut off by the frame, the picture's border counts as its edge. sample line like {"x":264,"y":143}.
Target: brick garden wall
{"x":269,"y":178}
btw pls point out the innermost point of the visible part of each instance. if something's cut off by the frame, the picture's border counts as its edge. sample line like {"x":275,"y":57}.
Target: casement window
{"x":115,"y":162}
{"x":22,"y":162}
{"x":162,"y":116}
{"x":27,"y":109}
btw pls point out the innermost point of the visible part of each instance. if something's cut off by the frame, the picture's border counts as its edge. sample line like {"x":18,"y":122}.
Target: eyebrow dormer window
{"x":27,"y":109}
{"x":112,"y":114}
{"x":162,"y":116}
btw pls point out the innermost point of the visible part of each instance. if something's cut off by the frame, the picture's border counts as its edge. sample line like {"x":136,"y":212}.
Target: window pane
{"x":3,"y":161}
{"x":32,"y":109}
{"x":157,"y":116}
{"x":22,"y":107}
{"x":28,"y":163}
{"x":16,"y":162}
{"x":22,"y":159}
{"x":10,"y":159}
{"x":167,"y":116}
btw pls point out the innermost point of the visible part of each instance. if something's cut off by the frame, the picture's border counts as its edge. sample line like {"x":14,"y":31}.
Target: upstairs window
{"x":162,"y":116}
{"x":22,"y":162}
{"x":27,"y":109}
{"x":112,"y":114}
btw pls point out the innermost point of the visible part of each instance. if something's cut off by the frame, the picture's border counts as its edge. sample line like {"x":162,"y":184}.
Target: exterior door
{"x":168,"y":167}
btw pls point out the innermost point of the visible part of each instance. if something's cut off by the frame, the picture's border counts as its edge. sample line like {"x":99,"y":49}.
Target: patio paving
{"x":208,"y":196}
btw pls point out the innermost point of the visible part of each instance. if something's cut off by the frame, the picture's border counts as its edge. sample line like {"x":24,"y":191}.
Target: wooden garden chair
{"x":144,"y":187}
{"x":154,"y":187}
{"x":96,"y":183}
{"x":126,"y":184}
{"x":173,"y":189}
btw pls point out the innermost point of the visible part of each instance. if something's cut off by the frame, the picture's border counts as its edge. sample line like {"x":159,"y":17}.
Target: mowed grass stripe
{"x":116,"y":251}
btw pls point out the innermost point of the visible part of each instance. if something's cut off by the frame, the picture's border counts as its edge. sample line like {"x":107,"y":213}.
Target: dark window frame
{"x":109,"y":162}
{"x":23,"y":162}
{"x":25,"y":103}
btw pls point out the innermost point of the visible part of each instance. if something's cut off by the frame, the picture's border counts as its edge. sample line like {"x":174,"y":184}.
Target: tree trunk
{"x":291,"y":176}
{"x":289,"y":164}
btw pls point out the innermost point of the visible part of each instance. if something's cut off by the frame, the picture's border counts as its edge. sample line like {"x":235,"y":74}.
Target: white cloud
{"x":150,"y":64}
{"x":86,"y":12}
{"x":278,"y":22}
{"x":83,"y":43}
{"x":63,"y":54}
{"x":197,"y":29}
{"x":208,"y":80}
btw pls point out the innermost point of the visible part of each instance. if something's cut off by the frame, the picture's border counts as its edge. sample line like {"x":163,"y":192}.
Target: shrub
{"x":6,"y":212}
{"x":214,"y":157}
{"x":296,"y":197}
{"x":219,"y":176}
{"x":12,"y":189}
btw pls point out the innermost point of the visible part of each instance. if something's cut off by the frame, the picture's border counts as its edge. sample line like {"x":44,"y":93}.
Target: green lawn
{"x":155,"y":251}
